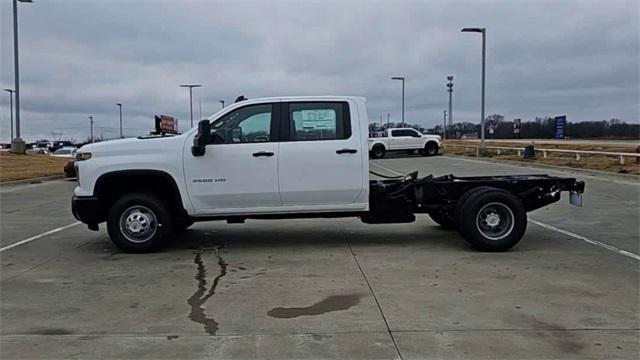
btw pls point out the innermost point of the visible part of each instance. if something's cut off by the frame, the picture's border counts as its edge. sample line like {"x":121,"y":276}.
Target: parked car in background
{"x":70,"y":169}
{"x":59,"y":145}
{"x":66,"y":151}
{"x":403,"y":139}
{"x":38,"y":151}
{"x":43,"y":143}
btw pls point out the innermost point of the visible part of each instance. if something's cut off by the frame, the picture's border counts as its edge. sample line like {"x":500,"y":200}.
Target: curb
{"x":556,"y":167}
{"x":32,"y":180}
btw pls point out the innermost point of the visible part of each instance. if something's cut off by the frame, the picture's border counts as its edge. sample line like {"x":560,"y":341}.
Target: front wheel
{"x":430,"y":149}
{"x":139,"y":222}
{"x":492,"y":220}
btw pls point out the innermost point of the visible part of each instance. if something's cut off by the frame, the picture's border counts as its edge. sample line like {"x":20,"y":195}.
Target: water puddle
{"x":329,"y":304}
{"x":201,"y":295}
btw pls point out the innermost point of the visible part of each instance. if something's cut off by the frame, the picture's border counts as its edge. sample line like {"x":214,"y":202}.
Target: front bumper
{"x":86,"y":209}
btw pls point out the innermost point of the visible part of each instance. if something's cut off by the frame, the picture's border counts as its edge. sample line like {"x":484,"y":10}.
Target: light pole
{"x":17,"y":144}
{"x":119,"y":105}
{"x":10,"y":91}
{"x":221,"y":102}
{"x":91,"y":127}
{"x":200,"y":107}
{"x":191,"y":86}
{"x":450,"y":90}
{"x":484,"y":55}
{"x":444,"y":129}
{"x":401,"y":78}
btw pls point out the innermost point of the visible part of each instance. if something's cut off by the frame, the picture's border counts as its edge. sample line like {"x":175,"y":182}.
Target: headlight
{"x":83,"y":156}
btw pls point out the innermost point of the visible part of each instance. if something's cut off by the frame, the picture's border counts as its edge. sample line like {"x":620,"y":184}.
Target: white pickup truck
{"x":403,"y":139}
{"x":287,"y":157}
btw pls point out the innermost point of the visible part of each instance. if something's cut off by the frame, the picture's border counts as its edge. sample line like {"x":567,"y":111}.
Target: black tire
{"x":377,"y":152}
{"x":430,"y":149}
{"x":183,"y":224}
{"x":139,"y":222}
{"x":492,"y":220}
{"x":444,"y":220}
{"x":465,"y":196}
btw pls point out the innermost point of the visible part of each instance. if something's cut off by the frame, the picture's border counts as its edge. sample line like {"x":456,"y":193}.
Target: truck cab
{"x":403,"y":139}
{"x":284,"y":157}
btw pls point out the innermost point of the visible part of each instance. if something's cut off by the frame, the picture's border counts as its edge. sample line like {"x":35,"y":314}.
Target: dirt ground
{"x":18,"y":167}
{"x":592,"y":162}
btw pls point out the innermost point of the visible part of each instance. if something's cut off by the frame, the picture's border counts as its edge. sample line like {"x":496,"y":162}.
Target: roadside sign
{"x":516,"y":127}
{"x":561,"y":123}
{"x":166,"y":124}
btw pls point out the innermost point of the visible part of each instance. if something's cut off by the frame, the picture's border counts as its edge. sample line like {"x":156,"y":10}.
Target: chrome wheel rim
{"x":138,"y":224}
{"x":495,"y":221}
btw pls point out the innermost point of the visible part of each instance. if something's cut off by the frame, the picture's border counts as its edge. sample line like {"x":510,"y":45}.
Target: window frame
{"x":410,"y":132}
{"x":274,"y":129}
{"x":285,"y":121}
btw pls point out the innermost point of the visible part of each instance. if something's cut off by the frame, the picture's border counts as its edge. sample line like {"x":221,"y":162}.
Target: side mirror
{"x":200,"y":140}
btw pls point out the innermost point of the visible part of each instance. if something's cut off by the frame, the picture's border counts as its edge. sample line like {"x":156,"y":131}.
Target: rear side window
{"x":404,"y":133}
{"x":309,"y":121}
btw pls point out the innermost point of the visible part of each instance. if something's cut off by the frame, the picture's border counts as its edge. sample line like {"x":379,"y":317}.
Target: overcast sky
{"x":78,"y":58}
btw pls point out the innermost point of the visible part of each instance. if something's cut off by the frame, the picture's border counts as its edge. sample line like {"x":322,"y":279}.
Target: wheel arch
{"x":434,"y":142}
{"x":114,"y":184}
{"x":379,"y":143}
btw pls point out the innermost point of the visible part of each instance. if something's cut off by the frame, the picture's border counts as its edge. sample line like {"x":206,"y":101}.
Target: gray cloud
{"x":78,"y":58}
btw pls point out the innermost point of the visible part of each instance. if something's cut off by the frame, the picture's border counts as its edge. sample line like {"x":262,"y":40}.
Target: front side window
{"x":247,"y":124}
{"x":318,"y":121}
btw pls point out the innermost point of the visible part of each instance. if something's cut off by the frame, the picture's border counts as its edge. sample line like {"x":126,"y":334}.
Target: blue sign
{"x":561,"y":123}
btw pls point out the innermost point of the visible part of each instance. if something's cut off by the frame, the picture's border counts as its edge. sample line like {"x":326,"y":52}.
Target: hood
{"x":137,"y":146}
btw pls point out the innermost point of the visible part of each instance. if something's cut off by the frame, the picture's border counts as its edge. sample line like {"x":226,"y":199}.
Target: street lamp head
{"x":27,"y":1}
{"x":190,"y":85}
{"x":118,"y":104}
{"x":479,"y":30}
{"x":9,"y":90}
{"x":450,"y":77}
{"x":397,"y":78}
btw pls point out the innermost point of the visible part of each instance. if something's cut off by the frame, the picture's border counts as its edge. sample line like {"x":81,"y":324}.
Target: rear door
{"x":321,"y":157}
{"x":400,"y":139}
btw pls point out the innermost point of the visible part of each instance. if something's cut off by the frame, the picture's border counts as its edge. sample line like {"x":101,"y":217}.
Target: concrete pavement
{"x":326,"y":288}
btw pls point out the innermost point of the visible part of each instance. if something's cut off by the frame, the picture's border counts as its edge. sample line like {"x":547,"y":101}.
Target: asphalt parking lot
{"x":326,"y":288}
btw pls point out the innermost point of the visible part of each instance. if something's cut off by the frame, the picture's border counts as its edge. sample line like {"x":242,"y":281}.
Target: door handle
{"x":346,"y":151}
{"x":262,"y":153}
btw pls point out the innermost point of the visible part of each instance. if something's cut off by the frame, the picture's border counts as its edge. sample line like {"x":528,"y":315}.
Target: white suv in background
{"x":407,"y":139}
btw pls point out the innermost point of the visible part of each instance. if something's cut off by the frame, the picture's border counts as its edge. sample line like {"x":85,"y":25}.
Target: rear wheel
{"x":139,"y":222}
{"x":430,"y":149}
{"x":377,"y":152}
{"x":492,"y":220}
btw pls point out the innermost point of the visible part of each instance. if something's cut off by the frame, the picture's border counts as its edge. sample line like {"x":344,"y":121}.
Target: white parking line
{"x":584,"y":238}
{"x":39,"y":236}
{"x":387,"y":169}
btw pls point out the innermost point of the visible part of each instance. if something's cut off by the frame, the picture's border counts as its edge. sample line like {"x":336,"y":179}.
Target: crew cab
{"x":287,"y":157}
{"x":403,"y":139}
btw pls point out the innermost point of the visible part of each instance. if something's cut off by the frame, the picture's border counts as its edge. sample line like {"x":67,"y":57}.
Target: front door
{"x":239,"y":169}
